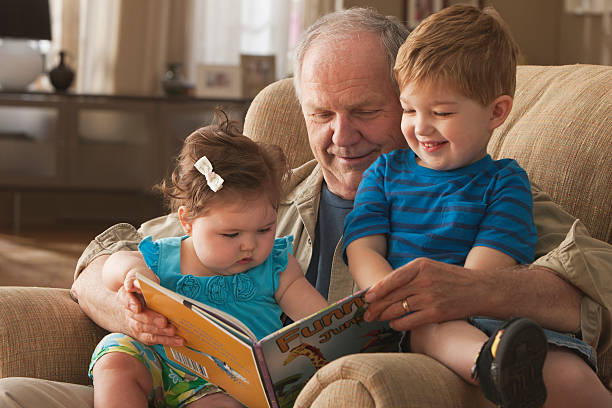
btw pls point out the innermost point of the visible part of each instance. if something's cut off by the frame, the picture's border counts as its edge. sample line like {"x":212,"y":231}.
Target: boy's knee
{"x":566,"y":372}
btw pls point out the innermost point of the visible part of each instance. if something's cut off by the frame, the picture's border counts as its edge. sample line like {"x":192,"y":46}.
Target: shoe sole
{"x":517,"y":367}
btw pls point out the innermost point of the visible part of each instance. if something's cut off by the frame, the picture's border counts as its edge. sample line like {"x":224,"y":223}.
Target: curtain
{"x":97,"y":53}
{"x":118,"y":46}
{"x":224,"y":30}
{"x":313,"y":9}
{"x":125,"y":46}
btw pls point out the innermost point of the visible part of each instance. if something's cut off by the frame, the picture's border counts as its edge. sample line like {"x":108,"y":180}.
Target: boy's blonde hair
{"x":249,"y":169}
{"x":468,"y":48}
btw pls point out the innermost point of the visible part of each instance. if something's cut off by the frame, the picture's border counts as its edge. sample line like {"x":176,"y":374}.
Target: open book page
{"x":213,"y":350}
{"x":294,"y":353}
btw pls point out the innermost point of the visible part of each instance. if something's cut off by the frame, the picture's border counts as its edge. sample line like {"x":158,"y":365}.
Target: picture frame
{"x":218,"y":81}
{"x":258,"y":71}
{"x":417,"y":10}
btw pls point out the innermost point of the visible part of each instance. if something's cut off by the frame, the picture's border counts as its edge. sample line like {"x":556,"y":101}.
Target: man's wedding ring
{"x":405,"y":305}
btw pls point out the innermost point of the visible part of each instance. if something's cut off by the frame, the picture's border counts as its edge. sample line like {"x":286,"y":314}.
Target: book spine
{"x":265,"y":374}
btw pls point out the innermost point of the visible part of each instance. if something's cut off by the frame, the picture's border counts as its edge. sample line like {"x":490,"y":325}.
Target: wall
{"x":580,"y":40}
{"x":546,"y":34}
{"x":535,"y":26}
{"x":387,"y":7}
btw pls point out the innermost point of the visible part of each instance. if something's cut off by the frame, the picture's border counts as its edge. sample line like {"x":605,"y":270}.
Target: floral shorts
{"x":172,"y":387}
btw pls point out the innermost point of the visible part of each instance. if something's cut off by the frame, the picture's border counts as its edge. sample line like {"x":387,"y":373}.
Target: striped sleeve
{"x":508,"y":224}
{"x":370,"y":213}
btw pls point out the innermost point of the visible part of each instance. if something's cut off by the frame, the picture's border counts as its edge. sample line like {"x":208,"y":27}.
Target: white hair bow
{"x":214,"y":181}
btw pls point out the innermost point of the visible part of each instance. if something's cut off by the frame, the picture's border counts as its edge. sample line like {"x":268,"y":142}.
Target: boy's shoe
{"x":509,"y":365}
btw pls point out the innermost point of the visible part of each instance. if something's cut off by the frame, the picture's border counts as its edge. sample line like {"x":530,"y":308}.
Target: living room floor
{"x":43,"y":256}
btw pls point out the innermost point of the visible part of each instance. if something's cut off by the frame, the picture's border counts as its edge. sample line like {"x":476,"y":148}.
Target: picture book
{"x":267,"y":372}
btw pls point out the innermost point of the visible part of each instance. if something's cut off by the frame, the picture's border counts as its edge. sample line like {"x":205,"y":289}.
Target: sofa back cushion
{"x":559,"y":130}
{"x":275,"y":117}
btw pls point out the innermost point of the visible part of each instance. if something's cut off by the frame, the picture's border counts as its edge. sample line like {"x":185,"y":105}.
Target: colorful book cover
{"x":269,"y":372}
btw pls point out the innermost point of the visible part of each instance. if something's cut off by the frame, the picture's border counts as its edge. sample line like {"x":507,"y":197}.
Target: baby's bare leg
{"x":121,"y":381}
{"x":216,"y":400}
{"x":570,"y":382}
{"x":455,"y":344}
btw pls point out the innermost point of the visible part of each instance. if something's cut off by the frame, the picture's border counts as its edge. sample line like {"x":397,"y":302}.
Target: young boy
{"x":446,"y":199}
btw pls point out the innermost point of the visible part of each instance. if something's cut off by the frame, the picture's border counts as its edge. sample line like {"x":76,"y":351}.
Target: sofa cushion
{"x":44,"y":334}
{"x":566,"y":148}
{"x":275,"y":116}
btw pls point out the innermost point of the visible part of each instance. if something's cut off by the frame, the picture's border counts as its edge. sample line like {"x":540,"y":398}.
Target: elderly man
{"x":344,"y":80}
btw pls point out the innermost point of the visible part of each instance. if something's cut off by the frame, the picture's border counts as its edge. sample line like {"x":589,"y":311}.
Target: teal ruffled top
{"x":248,"y":296}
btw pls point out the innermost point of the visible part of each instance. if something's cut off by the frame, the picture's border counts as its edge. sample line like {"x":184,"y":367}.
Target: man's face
{"x":351,"y":110}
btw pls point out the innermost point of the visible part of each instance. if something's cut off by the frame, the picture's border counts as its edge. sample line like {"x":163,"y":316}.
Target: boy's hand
{"x":145,"y":325}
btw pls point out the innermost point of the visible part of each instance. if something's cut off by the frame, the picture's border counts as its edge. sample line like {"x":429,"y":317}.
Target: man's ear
{"x":500,"y":109}
{"x":184,"y":219}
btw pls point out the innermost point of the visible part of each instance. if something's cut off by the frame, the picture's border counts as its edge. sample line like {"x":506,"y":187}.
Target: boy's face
{"x":445,"y":129}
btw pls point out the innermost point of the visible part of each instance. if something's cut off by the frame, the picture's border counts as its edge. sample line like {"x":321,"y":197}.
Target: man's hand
{"x":434,"y":291}
{"x":120,"y":311}
{"x":144,"y":324}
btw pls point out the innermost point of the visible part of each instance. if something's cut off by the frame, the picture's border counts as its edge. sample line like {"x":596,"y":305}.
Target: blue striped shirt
{"x":441,"y":215}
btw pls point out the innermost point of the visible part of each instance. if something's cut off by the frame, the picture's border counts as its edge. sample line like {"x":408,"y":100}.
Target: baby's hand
{"x":130,"y":283}
{"x":131,"y":291}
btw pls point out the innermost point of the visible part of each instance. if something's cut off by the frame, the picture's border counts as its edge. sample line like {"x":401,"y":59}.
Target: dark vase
{"x":62,"y":75}
{"x":173,"y":82}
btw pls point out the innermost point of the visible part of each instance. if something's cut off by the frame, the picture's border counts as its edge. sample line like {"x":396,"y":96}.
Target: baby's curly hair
{"x":248,"y":169}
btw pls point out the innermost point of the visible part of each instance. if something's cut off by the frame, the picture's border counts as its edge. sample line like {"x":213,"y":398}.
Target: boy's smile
{"x":445,"y":129}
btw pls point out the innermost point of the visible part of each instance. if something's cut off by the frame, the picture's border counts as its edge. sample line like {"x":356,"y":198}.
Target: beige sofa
{"x":560,"y":130}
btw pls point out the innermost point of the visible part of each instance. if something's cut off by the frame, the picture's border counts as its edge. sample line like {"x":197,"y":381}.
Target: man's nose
{"x":344,"y":130}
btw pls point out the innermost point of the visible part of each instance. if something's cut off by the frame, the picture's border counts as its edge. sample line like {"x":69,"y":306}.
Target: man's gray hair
{"x":345,"y":23}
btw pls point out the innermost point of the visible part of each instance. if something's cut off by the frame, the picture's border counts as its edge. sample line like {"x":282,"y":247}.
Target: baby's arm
{"x":481,"y":257}
{"x":295,"y":295}
{"x":366,"y":259}
{"x":119,"y":264}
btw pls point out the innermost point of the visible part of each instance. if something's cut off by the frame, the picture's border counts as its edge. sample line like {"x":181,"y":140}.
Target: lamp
{"x":22,"y":21}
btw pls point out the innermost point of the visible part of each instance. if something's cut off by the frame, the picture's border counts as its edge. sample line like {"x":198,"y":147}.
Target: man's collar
{"x":305,"y":183}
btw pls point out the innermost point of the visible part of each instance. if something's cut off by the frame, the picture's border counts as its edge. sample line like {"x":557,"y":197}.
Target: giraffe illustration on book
{"x":306,"y":350}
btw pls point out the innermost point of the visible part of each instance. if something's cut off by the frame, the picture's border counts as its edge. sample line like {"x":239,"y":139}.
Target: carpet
{"x":39,"y":261}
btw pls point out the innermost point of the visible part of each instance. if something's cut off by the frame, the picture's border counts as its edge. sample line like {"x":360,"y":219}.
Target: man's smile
{"x":353,"y":159}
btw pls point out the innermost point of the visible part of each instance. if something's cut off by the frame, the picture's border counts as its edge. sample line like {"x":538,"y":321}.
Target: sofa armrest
{"x":393,"y":380}
{"x":388,"y":380}
{"x":44,"y":334}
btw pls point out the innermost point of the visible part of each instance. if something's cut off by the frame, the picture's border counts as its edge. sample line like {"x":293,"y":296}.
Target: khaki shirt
{"x":581,"y":260}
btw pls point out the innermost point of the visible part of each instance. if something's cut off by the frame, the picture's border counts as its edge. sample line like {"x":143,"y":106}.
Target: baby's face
{"x":445,"y":129}
{"x":234,"y":237}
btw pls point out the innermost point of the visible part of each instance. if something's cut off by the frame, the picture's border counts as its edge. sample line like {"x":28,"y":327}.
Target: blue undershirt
{"x":328,"y":231}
